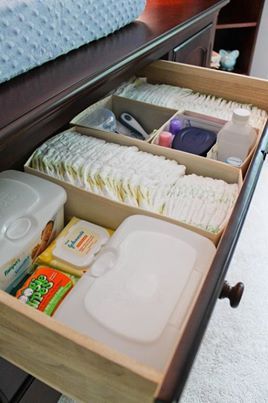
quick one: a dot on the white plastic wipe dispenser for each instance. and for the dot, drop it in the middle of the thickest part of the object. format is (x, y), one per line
(140, 288)
(31, 215)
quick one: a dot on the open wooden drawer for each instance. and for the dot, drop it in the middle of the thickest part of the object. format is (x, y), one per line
(89, 371)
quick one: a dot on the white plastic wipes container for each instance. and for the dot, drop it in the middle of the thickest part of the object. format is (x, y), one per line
(31, 215)
(79, 246)
(140, 289)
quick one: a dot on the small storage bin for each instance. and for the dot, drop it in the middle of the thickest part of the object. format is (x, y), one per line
(210, 123)
(150, 117)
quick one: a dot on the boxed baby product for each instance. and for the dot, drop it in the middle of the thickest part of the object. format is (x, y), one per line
(140, 289)
(45, 289)
(74, 250)
(31, 215)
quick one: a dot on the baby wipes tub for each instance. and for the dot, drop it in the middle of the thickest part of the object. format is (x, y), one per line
(75, 248)
(31, 215)
(140, 288)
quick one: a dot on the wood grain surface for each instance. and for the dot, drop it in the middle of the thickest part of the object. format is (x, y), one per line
(68, 361)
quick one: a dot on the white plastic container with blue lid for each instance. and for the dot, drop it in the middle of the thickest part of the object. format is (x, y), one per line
(140, 288)
(31, 215)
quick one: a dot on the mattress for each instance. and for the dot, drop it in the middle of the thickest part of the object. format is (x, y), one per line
(33, 32)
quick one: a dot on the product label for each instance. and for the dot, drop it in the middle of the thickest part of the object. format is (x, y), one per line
(80, 241)
(44, 289)
(18, 265)
(13, 270)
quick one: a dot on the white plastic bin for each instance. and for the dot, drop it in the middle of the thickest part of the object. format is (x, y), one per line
(31, 215)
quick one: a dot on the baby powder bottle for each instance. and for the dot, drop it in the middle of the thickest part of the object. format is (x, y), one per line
(236, 137)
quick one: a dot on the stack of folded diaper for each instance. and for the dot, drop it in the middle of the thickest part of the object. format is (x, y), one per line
(137, 178)
(201, 202)
(119, 172)
(186, 99)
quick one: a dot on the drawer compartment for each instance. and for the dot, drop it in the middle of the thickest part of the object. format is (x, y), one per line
(89, 371)
(230, 86)
(102, 210)
(208, 123)
(76, 364)
(151, 117)
(206, 83)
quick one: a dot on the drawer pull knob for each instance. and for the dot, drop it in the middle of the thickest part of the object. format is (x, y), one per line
(234, 294)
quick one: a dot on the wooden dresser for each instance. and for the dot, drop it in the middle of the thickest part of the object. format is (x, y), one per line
(39, 103)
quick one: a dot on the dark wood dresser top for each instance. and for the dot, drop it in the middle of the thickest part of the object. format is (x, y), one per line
(35, 92)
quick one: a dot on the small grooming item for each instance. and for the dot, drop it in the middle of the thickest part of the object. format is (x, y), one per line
(165, 139)
(131, 123)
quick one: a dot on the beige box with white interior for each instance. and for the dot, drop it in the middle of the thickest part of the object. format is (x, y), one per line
(151, 117)
(209, 123)
(229, 86)
(75, 364)
(110, 213)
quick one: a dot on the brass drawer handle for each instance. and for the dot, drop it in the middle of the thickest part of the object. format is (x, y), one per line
(234, 294)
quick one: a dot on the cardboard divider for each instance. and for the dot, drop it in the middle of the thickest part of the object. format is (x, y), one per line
(109, 213)
(151, 117)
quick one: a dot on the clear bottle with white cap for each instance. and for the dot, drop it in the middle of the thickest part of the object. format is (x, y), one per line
(236, 137)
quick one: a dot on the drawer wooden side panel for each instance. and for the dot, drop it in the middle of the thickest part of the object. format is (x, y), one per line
(227, 85)
(68, 361)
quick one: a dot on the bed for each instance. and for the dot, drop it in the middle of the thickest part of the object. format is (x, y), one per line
(33, 32)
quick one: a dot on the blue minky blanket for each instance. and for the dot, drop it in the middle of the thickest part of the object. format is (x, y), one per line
(33, 32)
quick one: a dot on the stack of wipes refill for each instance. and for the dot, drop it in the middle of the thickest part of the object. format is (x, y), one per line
(186, 99)
(137, 178)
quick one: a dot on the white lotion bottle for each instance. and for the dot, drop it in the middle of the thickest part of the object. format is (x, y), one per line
(236, 137)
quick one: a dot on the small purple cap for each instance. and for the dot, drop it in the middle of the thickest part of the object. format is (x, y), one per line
(175, 126)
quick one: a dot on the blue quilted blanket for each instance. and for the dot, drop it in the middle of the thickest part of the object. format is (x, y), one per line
(35, 31)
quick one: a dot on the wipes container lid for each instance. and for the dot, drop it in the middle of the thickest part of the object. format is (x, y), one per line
(27, 203)
(143, 272)
(79, 246)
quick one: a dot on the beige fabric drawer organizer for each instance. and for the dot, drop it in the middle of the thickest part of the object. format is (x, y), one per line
(75, 364)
